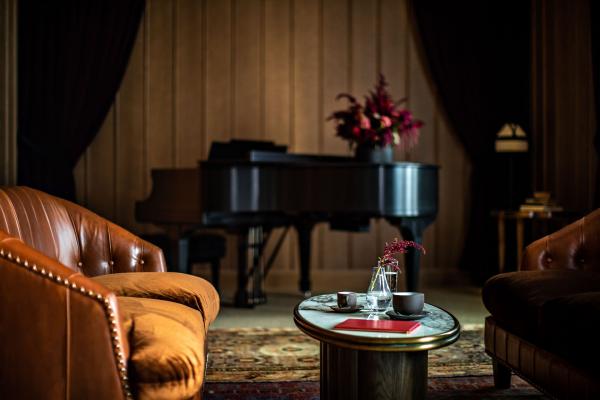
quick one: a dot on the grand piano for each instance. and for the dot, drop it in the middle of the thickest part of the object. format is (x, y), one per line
(250, 188)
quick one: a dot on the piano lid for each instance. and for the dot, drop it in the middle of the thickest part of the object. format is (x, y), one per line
(242, 149)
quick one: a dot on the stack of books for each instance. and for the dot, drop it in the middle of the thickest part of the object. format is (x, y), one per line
(540, 202)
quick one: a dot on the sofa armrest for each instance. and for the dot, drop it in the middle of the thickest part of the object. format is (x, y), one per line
(60, 331)
(572, 247)
(189, 290)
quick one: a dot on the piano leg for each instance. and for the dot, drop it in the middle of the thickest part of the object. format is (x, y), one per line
(250, 247)
(241, 295)
(304, 229)
(412, 229)
(256, 250)
(179, 249)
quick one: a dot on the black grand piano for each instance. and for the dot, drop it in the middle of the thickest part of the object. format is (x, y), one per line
(250, 188)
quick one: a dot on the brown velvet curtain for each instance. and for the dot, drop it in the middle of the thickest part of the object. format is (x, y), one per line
(595, 41)
(478, 54)
(72, 55)
(563, 109)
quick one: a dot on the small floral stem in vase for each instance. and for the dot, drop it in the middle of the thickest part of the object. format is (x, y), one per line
(398, 247)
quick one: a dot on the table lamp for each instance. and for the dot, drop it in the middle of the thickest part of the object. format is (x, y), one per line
(511, 145)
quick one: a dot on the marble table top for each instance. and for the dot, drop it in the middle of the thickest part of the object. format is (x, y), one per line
(317, 312)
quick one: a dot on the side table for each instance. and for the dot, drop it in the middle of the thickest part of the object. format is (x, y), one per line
(373, 365)
(520, 217)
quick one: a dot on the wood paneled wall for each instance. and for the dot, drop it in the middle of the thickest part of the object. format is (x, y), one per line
(8, 92)
(268, 69)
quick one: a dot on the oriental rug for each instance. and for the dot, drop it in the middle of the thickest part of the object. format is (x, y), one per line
(283, 363)
(286, 354)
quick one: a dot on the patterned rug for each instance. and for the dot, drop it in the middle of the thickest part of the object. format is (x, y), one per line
(286, 354)
(459, 388)
(283, 363)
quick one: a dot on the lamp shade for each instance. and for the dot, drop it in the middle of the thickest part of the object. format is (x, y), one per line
(511, 139)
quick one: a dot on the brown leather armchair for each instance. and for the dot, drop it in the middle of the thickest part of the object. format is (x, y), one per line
(87, 311)
(544, 318)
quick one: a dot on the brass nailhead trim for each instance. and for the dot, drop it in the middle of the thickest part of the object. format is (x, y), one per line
(119, 355)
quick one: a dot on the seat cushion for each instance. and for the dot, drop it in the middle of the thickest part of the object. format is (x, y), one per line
(515, 299)
(185, 289)
(568, 327)
(167, 353)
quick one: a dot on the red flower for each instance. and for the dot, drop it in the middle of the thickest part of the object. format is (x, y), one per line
(379, 123)
(400, 247)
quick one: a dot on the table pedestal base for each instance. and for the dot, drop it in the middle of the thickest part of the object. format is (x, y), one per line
(348, 374)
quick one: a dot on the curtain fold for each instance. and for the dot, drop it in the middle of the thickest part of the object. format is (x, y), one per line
(478, 55)
(71, 59)
(595, 42)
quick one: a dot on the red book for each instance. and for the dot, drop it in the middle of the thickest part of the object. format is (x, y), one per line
(379, 325)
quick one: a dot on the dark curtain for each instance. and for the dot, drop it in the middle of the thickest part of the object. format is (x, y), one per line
(478, 54)
(595, 40)
(72, 57)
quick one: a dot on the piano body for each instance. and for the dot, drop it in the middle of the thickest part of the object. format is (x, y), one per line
(249, 188)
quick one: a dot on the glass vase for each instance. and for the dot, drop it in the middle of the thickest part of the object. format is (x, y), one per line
(379, 294)
(391, 272)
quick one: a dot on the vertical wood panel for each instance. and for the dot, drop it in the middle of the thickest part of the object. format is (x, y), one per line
(219, 87)
(130, 148)
(277, 71)
(422, 104)
(336, 70)
(394, 37)
(277, 93)
(161, 137)
(189, 81)
(218, 71)
(247, 69)
(364, 73)
(306, 93)
(306, 77)
(336, 76)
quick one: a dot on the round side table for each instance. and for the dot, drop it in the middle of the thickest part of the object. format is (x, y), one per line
(373, 365)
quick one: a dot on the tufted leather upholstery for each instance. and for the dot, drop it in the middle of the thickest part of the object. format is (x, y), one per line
(576, 246)
(76, 237)
(64, 332)
(543, 318)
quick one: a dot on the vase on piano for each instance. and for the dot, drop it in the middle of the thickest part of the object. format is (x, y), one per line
(374, 154)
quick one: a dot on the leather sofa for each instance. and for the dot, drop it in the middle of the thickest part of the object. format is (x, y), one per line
(545, 317)
(87, 310)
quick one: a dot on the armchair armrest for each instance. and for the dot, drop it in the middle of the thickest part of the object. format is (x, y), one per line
(185, 289)
(576, 246)
(60, 331)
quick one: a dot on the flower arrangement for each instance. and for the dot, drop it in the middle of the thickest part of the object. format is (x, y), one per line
(398, 247)
(379, 123)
